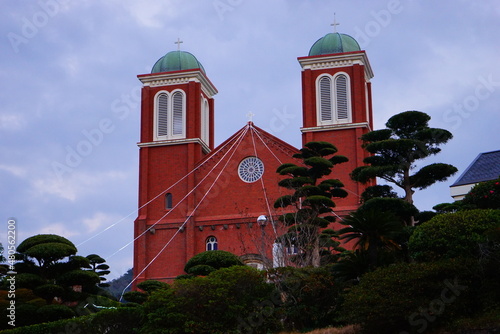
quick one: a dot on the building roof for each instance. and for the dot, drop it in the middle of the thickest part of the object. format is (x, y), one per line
(485, 167)
(334, 43)
(177, 61)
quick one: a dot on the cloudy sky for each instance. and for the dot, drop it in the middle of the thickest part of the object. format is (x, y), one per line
(69, 104)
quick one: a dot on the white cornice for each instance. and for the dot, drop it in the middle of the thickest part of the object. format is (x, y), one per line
(180, 77)
(336, 127)
(204, 146)
(337, 60)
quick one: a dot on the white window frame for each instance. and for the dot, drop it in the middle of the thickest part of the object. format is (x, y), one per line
(170, 116)
(333, 100)
(212, 243)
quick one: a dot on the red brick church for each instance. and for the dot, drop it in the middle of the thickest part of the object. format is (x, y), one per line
(195, 196)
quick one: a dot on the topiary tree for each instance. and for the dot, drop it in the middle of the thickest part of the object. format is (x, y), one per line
(396, 149)
(99, 267)
(311, 199)
(205, 262)
(453, 235)
(46, 249)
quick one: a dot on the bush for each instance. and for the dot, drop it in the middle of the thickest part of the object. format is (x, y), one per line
(216, 259)
(484, 195)
(54, 312)
(453, 234)
(414, 296)
(310, 296)
(228, 300)
(114, 321)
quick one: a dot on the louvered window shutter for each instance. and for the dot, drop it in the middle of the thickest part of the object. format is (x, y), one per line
(163, 115)
(205, 121)
(325, 99)
(177, 110)
(341, 97)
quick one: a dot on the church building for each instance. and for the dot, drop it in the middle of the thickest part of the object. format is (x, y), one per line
(195, 196)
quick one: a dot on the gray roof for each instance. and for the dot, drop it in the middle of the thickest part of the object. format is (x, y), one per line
(485, 167)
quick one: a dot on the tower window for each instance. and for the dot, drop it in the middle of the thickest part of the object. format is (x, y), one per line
(211, 243)
(333, 99)
(205, 121)
(341, 97)
(325, 99)
(168, 201)
(170, 115)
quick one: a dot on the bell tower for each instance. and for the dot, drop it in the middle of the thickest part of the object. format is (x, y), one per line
(177, 131)
(337, 105)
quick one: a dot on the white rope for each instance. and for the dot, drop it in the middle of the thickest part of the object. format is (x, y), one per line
(151, 200)
(262, 184)
(194, 210)
(243, 131)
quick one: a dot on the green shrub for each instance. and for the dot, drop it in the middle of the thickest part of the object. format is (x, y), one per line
(229, 300)
(216, 259)
(113, 321)
(309, 296)
(413, 297)
(453, 234)
(54, 312)
(484, 195)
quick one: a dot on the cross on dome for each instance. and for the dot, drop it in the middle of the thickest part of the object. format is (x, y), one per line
(178, 43)
(335, 23)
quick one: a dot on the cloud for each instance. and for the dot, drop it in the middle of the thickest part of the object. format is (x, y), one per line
(99, 221)
(12, 122)
(76, 185)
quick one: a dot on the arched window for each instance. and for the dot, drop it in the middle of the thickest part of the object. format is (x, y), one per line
(205, 121)
(211, 243)
(163, 114)
(333, 99)
(170, 115)
(341, 96)
(325, 99)
(168, 201)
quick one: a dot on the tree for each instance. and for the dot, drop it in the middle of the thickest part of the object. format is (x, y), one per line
(396, 149)
(372, 230)
(311, 200)
(50, 269)
(99, 267)
(46, 249)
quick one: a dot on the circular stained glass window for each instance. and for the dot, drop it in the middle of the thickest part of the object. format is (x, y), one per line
(251, 169)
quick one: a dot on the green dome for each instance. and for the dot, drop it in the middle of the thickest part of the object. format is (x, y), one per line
(334, 43)
(177, 61)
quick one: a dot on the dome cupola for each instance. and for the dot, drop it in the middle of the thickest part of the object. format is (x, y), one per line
(334, 43)
(177, 61)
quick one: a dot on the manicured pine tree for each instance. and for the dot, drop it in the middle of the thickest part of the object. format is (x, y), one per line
(311, 199)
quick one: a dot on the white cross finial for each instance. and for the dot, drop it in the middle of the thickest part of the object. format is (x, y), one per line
(250, 116)
(334, 24)
(178, 43)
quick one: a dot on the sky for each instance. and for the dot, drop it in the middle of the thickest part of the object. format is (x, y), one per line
(69, 97)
